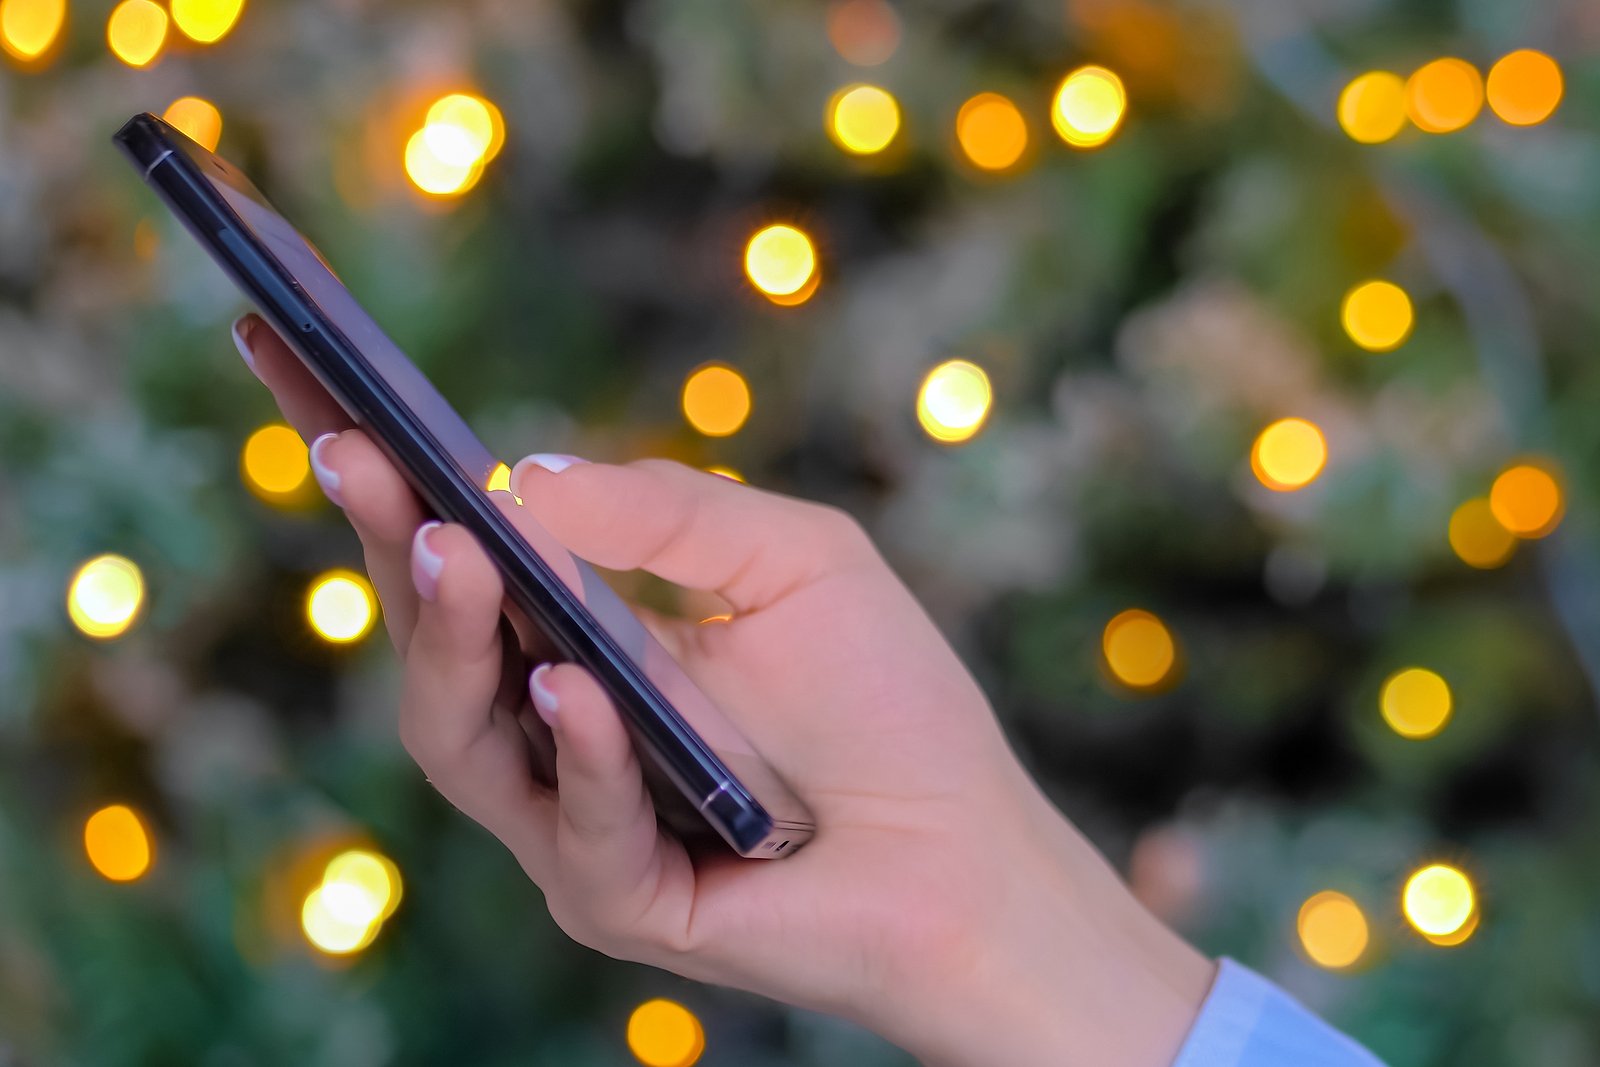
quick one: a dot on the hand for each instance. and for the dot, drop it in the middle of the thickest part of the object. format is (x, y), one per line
(943, 902)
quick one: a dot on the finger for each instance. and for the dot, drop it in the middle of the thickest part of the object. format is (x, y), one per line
(689, 527)
(474, 753)
(301, 398)
(385, 513)
(610, 854)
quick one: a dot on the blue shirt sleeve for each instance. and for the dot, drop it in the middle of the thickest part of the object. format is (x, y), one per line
(1246, 1021)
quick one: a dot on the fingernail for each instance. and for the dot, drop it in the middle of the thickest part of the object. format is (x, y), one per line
(242, 328)
(544, 701)
(554, 462)
(326, 476)
(425, 562)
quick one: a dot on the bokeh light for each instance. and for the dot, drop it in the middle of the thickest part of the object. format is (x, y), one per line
(274, 462)
(724, 471)
(863, 119)
(1088, 107)
(1525, 87)
(1372, 108)
(1289, 454)
(1333, 930)
(1377, 315)
(136, 31)
(662, 1033)
(206, 20)
(435, 176)
(716, 399)
(340, 606)
(1139, 649)
(117, 843)
(1444, 95)
(780, 260)
(29, 27)
(991, 131)
(1416, 703)
(105, 595)
(1477, 537)
(1527, 500)
(463, 129)
(954, 401)
(197, 118)
(863, 32)
(373, 880)
(331, 918)
(1439, 900)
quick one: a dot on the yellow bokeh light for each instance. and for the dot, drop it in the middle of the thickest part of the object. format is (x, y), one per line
(991, 131)
(1460, 936)
(662, 1033)
(1332, 929)
(29, 27)
(1372, 108)
(331, 917)
(863, 119)
(1438, 900)
(197, 118)
(1527, 500)
(500, 480)
(1139, 649)
(105, 595)
(463, 129)
(340, 606)
(373, 884)
(1089, 105)
(136, 31)
(117, 843)
(206, 20)
(716, 399)
(1416, 703)
(435, 176)
(1377, 315)
(780, 260)
(274, 462)
(1525, 87)
(725, 472)
(1444, 95)
(954, 401)
(1477, 537)
(1289, 454)
(863, 32)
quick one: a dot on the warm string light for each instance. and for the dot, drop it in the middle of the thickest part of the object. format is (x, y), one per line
(1440, 904)
(460, 136)
(863, 119)
(197, 118)
(663, 1033)
(206, 21)
(1416, 703)
(341, 606)
(275, 463)
(723, 471)
(1478, 538)
(1527, 500)
(28, 28)
(1289, 454)
(1333, 930)
(954, 401)
(1525, 87)
(117, 843)
(781, 262)
(716, 399)
(359, 890)
(1372, 108)
(1139, 650)
(136, 31)
(105, 595)
(863, 32)
(1089, 106)
(1444, 95)
(1377, 315)
(991, 132)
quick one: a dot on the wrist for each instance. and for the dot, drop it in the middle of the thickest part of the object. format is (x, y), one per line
(1064, 967)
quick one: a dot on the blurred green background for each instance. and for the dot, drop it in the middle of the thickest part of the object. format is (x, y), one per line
(1142, 307)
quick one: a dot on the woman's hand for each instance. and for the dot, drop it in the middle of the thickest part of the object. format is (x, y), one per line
(943, 902)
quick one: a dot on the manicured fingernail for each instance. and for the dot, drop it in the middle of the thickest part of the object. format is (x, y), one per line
(554, 462)
(326, 476)
(425, 562)
(242, 328)
(544, 701)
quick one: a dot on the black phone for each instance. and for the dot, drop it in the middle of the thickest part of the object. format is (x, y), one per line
(702, 771)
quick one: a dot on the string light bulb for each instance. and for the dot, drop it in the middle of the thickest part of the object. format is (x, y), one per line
(105, 595)
(663, 1033)
(197, 118)
(1289, 454)
(954, 401)
(1476, 536)
(1333, 930)
(1139, 650)
(1444, 96)
(136, 31)
(863, 119)
(341, 606)
(1527, 499)
(1089, 106)
(275, 463)
(1439, 902)
(1525, 87)
(991, 132)
(28, 28)
(206, 21)
(1372, 108)
(118, 844)
(781, 261)
(1377, 315)
(716, 399)
(1416, 703)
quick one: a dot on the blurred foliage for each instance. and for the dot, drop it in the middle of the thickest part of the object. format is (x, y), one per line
(1142, 310)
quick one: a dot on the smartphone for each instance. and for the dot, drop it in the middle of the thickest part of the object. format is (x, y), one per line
(704, 775)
